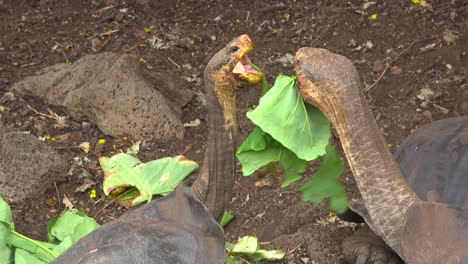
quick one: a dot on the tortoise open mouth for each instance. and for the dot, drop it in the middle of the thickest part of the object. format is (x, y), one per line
(246, 72)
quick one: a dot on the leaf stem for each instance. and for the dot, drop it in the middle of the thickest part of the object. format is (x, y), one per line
(51, 252)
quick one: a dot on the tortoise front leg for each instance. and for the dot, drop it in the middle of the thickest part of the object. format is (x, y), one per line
(365, 247)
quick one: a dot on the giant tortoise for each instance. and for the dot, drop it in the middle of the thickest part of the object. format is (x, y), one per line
(182, 227)
(423, 218)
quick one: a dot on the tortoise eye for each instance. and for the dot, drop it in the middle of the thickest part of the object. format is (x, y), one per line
(234, 49)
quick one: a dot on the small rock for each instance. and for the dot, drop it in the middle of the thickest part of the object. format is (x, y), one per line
(23, 156)
(39, 125)
(64, 137)
(86, 125)
(8, 96)
(369, 44)
(286, 60)
(425, 95)
(451, 37)
(427, 114)
(395, 70)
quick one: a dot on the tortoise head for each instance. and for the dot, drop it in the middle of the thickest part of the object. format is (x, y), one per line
(230, 67)
(326, 77)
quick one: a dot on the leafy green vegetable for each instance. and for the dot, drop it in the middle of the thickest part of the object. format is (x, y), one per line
(249, 247)
(64, 231)
(260, 149)
(228, 216)
(157, 177)
(291, 132)
(325, 183)
(69, 228)
(299, 127)
(24, 257)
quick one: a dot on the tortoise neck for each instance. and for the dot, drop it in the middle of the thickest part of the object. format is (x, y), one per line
(386, 194)
(216, 180)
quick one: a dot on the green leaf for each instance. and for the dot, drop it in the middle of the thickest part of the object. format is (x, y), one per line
(10, 238)
(6, 224)
(228, 216)
(267, 254)
(246, 245)
(38, 249)
(157, 177)
(24, 257)
(5, 251)
(260, 149)
(229, 260)
(325, 183)
(5, 215)
(299, 127)
(256, 141)
(249, 247)
(69, 228)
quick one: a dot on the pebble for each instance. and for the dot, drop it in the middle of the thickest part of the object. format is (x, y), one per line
(427, 114)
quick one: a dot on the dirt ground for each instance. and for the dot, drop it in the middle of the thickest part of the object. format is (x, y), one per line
(412, 59)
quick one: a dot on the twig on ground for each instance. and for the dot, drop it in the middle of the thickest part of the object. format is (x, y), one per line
(294, 249)
(272, 8)
(367, 89)
(42, 114)
(173, 62)
(242, 187)
(106, 205)
(59, 198)
(131, 48)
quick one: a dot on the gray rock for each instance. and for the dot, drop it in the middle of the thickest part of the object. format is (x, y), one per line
(27, 165)
(115, 92)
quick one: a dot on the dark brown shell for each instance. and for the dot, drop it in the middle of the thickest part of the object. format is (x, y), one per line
(177, 228)
(434, 160)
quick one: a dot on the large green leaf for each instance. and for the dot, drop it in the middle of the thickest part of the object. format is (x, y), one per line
(63, 232)
(9, 239)
(157, 177)
(6, 224)
(260, 149)
(69, 228)
(24, 257)
(299, 127)
(325, 183)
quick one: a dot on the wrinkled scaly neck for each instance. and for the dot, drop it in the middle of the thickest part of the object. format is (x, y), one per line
(215, 182)
(386, 194)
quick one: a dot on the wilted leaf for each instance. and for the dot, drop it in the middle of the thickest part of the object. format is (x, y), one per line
(249, 247)
(325, 183)
(134, 149)
(68, 204)
(157, 177)
(246, 245)
(85, 147)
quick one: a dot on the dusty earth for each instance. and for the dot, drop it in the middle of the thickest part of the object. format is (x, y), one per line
(412, 59)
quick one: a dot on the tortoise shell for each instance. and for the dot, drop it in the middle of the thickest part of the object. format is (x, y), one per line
(176, 228)
(434, 161)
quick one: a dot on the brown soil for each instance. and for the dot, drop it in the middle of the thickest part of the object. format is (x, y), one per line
(35, 34)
